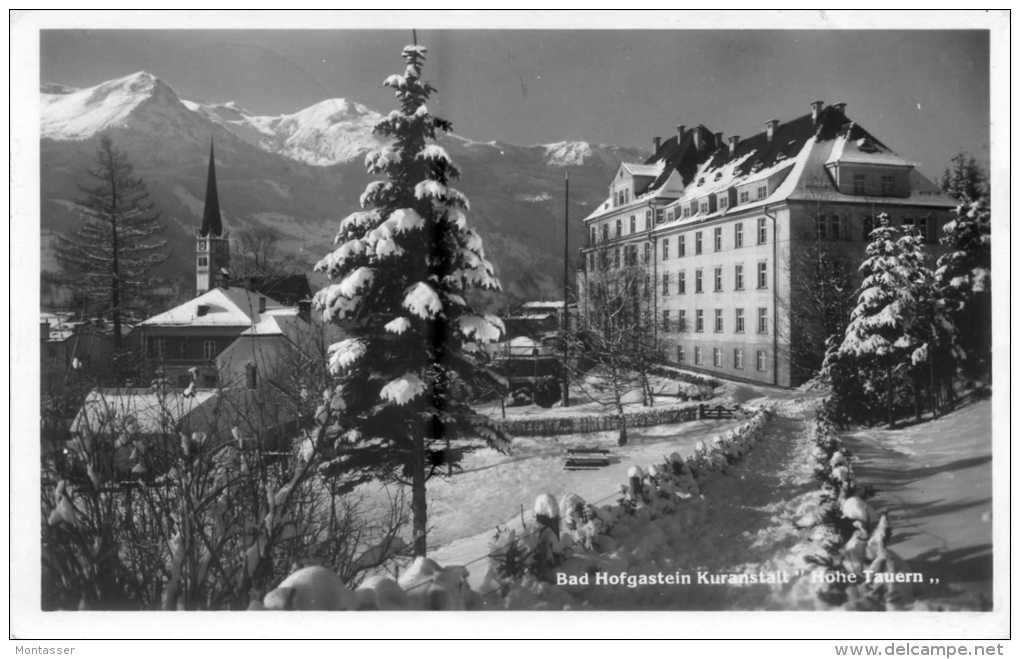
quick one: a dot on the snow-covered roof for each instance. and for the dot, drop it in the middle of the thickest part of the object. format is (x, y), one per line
(226, 307)
(142, 410)
(278, 322)
(543, 304)
(636, 169)
(856, 147)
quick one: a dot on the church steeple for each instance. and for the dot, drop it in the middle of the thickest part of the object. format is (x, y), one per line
(211, 222)
(212, 245)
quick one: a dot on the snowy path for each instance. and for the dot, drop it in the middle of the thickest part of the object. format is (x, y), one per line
(744, 524)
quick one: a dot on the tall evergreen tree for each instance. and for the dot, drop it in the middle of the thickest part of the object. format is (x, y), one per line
(963, 281)
(400, 275)
(877, 339)
(111, 253)
(963, 179)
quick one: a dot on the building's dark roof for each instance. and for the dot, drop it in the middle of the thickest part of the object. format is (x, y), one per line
(788, 139)
(212, 224)
(681, 155)
(288, 289)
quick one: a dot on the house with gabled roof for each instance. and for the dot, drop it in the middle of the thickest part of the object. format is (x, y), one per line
(191, 335)
(722, 227)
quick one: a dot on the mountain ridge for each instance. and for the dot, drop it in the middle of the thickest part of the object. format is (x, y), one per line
(299, 173)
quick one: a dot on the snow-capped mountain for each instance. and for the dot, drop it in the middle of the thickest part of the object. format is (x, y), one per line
(299, 172)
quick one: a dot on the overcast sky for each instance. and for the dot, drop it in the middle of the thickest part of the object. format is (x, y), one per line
(924, 93)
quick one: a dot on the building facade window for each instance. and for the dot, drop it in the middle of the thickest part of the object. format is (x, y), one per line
(723, 202)
(738, 358)
(203, 261)
(738, 320)
(616, 257)
(633, 223)
(209, 349)
(820, 227)
(834, 233)
(763, 231)
(763, 274)
(681, 356)
(648, 252)
(665, 320)
(658, 216)
(697, 242)
(860, 184)
(681, 246)
(744, 196)
(718, 280)
(681, 282)
(592, 236)
(665, 249)
(763, 191)
(867, 226)
(619, 227)
(681, 320)
(738, 235)
(888, 185)
(699, 320)
(697, 280)
(717, 239)
(718, 320)
(716, 357)
(648, 219)
(763, 320)
(738, 277)
(762, 361)
(665, 283)
(697, 355)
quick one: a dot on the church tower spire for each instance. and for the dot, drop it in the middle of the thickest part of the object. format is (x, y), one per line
(212, 248)
(212, 225)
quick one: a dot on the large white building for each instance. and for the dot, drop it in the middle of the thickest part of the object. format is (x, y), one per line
(718, 225)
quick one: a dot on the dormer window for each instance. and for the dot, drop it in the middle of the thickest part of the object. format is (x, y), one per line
(866, 145)
(701, 181)
(744, 196)
(763, 191)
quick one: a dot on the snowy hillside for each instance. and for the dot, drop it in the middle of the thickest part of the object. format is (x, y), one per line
(330, 132)
(77, 114)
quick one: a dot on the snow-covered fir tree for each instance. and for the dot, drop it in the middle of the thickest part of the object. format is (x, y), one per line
(963, 282)
(963, 179)
(400, 275)
(879, 340)
(110, 254)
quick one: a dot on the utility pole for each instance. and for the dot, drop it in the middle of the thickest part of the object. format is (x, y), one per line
(566, 281)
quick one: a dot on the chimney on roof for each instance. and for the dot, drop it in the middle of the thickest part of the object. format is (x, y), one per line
(733, 144)
(656, 143)
(304, 310)
(697, 139)
(718, 140)
(816, 111)
(770, 128)
(251, 375)
(840, 107)
(680, 130)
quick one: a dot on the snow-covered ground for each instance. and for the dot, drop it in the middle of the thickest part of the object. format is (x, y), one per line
(935, 479)
(465, 508)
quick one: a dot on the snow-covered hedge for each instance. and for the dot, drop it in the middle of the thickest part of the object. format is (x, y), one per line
(849, 536)
(569, 535)
(570, 425)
